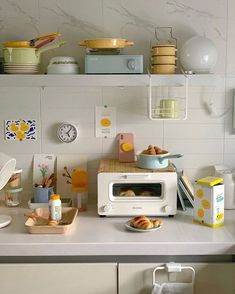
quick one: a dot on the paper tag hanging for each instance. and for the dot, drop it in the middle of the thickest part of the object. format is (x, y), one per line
(105, 122)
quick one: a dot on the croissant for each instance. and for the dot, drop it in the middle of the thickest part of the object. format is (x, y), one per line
(141, 222)
(156, 222)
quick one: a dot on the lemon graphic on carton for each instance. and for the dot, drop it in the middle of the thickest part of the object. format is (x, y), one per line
(200, 193)
(200, 212)
(219, 216)
(206, 204)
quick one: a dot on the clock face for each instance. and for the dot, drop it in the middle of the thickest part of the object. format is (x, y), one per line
(67, 133)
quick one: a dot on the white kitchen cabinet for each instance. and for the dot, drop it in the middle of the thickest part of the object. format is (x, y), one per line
(82, 278)
(211, 278)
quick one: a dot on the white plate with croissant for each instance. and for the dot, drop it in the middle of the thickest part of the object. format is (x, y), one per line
(143, 224)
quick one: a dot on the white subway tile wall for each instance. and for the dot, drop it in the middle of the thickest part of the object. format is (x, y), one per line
(204, 139)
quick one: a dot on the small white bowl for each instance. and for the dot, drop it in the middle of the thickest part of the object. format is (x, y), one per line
(63, 69)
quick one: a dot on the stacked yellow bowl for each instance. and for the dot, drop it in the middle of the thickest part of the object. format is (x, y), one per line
(163, 59)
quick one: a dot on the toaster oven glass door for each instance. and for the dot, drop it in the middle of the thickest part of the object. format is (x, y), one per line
(140, 191)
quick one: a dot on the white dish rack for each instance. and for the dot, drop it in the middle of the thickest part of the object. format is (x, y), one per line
(168, 101)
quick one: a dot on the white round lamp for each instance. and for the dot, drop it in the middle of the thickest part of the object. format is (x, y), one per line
(198, 55)
(7, 167)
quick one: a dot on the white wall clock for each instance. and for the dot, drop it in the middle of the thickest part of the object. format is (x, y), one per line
(67, 132)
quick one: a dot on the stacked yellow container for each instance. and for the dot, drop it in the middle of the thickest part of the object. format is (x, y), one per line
(163, 59)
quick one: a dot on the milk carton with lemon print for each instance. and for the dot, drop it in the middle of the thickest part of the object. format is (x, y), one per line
(209, 202)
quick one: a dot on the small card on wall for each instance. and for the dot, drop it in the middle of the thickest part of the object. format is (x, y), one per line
(20, 129)
(105, 122)
(43, 167)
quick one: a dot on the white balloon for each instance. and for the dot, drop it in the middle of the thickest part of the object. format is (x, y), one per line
(198, 55)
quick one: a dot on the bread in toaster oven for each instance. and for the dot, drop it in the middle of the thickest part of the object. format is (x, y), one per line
(127, 193)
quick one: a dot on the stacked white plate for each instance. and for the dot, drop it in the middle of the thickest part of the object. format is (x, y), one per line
(21, 68)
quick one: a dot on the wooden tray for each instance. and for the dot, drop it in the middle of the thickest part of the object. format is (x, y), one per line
(40, 225)
(114, 166)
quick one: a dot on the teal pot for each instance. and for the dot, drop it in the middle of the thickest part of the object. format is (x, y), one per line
(26, 55)
(154, 161)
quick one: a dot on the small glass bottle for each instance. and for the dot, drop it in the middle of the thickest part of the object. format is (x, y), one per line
(55, 209)
(12, 196)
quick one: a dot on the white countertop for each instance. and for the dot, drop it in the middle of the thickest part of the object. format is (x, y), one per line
(92, 235)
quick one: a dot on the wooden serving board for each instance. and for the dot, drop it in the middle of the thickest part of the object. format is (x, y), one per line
(40, 225)
(114, 166)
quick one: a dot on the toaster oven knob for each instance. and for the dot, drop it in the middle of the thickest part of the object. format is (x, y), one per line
(131, 64)
(167, 209)
(107, 207)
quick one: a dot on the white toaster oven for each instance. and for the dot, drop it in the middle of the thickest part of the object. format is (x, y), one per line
(125, 190)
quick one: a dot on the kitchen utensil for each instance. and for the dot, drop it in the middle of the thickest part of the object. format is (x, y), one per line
(7, 167)
(63, 60)
(106, 43)
(49, 40)
(116, 64)
(5, 220)
(164, 50)
(154, 161)
(125, 189)
(169, 108)
(229, 185)
(31, 43)
(15, 180)
(17, 44)
(12, 196)
(63, 69)
(42, 195)
(198, 55)
(159, 59)
(163, 69)
(44, 37)
(39, 225)
(21, 68)
(26, 55)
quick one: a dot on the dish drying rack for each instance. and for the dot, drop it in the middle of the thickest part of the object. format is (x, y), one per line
(157, 109)
(172, 269)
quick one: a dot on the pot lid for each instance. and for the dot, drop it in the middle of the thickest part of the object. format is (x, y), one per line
(7, 167)
(17, 44)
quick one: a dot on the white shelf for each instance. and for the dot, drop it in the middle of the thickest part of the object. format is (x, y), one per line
(104, 80)
(73, 80)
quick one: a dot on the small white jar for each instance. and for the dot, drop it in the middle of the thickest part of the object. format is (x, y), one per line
(55, 208)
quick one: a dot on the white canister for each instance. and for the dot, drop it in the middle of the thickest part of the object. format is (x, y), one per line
(227, 175)
(55, 208)
(229, 190)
